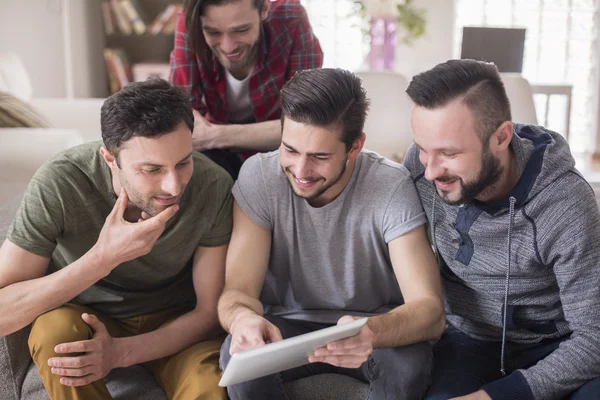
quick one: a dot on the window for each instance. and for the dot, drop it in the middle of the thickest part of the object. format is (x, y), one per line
(338, 26)
(560, 47)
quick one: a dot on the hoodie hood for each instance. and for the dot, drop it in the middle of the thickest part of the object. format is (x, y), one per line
(542, 156)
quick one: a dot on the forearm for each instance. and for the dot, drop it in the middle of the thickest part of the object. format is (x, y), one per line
(190, 328)
(262, 136)
(235, 303)
(23, 302)
(412, 322)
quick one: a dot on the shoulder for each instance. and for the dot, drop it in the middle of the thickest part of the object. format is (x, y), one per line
(73, 167)
(286, 11)
(263, 166)
(208, 175)
(413, 164)
(378, 170)
(568, 195)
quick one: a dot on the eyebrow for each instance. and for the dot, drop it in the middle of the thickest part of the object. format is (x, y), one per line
(234, 28)
(455, 149)
(314, 154)
(147, 164)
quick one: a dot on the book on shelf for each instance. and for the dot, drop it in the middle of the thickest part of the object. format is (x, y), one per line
(133, 12)
(166, 21)
(121, 17)
(127, 15)
(118, 68)
(107, 17)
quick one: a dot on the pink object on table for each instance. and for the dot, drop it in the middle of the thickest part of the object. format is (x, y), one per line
(383, 44)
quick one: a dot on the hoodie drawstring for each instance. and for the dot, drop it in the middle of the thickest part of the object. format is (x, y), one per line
(506, 287)
(432, 230)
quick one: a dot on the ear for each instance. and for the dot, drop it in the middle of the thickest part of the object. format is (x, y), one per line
(500, 140)
(110, 160)
(265, 10)
(357, 147)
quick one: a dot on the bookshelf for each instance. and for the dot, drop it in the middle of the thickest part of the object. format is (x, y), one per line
(139, 37)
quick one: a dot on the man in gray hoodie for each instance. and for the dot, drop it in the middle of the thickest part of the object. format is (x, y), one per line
(516, 229)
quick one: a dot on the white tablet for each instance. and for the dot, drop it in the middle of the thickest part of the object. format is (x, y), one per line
(285, 354)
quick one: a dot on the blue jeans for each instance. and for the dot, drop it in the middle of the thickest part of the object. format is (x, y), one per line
(462, 365)
(393, 373)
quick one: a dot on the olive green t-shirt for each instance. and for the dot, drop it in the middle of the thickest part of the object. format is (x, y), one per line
(65, 207)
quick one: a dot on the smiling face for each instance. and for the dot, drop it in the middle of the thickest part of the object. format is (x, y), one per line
(316, 162)
(153, 171)
(454, 157)
(232, 31)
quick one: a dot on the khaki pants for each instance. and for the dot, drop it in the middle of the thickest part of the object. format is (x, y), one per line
(190, 374)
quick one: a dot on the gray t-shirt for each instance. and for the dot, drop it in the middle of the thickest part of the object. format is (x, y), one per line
(334, 260)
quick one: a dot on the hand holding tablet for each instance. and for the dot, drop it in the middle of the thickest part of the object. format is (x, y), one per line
(284, 354)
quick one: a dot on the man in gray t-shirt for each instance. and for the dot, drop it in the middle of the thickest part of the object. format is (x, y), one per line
(325, 233)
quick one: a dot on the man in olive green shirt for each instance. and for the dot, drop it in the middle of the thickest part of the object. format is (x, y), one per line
(117, 254)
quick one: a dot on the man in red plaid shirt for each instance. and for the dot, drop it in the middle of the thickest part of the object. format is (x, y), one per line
(233, 58)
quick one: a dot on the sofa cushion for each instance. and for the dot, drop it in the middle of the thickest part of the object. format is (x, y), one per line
(14, 357)
(327, 387)
(8, 209)
(13, 76)
(15, 113)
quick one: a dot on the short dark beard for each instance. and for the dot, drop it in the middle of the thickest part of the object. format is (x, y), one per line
(252, 57)
(141, 202)
(490, 173)
(324, 188)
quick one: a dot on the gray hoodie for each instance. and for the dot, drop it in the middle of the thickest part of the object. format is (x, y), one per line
(539, 247)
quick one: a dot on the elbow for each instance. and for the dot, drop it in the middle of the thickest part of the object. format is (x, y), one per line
(437, 324)
(440, 323)
(8, 327)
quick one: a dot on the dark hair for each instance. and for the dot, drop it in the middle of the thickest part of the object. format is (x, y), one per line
(150, 109)
(477, 82)
(194, 9)
(326, 97)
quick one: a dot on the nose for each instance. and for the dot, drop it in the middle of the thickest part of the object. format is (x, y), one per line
(170, 184)
(228, 45)
(433, 168)
(302, 167)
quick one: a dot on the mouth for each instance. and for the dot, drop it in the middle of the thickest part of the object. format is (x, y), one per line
(445, 185)
(166, 201)
(305, 183)
(235, 56)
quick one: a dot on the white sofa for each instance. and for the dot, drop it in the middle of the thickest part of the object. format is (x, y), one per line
(23, 150)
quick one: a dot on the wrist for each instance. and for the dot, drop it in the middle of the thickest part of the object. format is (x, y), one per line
(239, 315)
(122, 353)
(101, 261)
(225, 136)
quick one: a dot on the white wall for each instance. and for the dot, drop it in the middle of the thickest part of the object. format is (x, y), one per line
(437, 44)
(87, 42)
(34, 30)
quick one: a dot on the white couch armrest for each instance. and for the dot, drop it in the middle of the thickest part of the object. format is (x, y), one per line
(24, 150)
(80, 114)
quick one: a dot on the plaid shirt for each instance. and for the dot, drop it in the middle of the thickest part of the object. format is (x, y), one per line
(287, 45)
